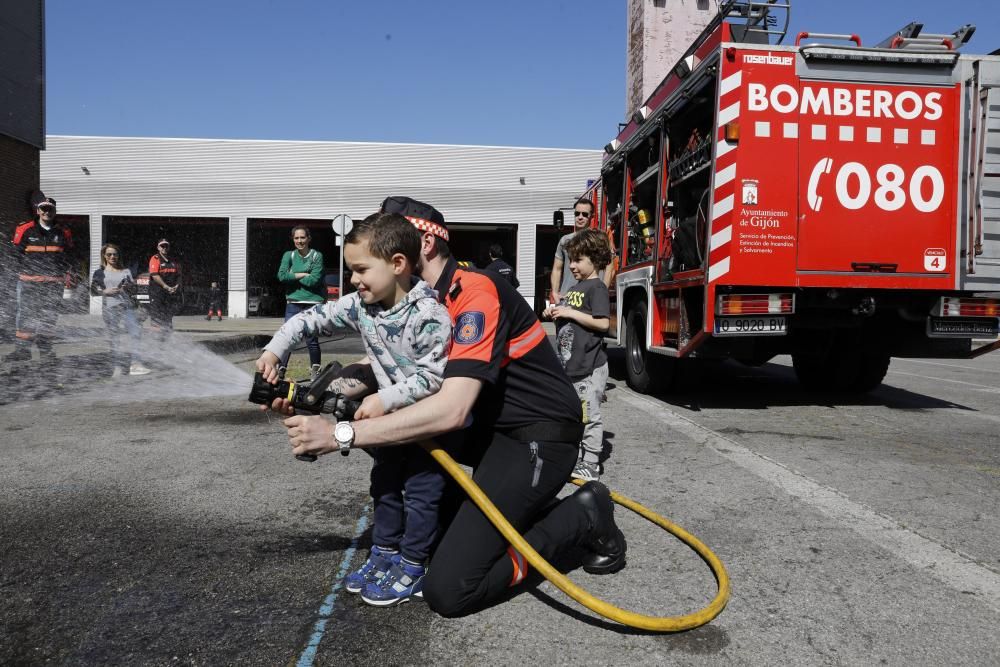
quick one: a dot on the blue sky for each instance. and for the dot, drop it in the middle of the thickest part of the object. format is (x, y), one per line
(510, 73)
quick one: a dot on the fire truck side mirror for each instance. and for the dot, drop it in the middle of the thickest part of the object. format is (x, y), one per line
(557, 219)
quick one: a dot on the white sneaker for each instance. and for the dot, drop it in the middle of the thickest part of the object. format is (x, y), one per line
(138, 369)
(586, 471)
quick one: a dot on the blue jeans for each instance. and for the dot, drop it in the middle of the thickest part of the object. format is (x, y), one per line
(291, 310)
(121, 323)
(407, 485)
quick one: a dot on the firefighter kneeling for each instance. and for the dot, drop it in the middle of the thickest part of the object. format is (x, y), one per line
(502, 375)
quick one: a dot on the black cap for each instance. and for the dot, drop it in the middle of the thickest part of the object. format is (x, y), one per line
(39, 199)
(425, 217)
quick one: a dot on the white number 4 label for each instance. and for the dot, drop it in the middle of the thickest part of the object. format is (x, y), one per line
(935, 259)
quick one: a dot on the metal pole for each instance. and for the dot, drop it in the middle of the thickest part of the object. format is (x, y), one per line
(340, 275)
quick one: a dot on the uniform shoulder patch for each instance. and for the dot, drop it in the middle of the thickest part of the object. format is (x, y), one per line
(469, 327)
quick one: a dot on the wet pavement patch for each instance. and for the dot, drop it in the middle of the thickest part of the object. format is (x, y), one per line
(98, 576)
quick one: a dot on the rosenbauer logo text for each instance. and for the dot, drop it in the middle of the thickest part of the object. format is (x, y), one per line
(858, 102)
(759, 59)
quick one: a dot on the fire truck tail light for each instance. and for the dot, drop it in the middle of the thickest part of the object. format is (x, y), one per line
(754, 304)
(732, 132)
(953, 306)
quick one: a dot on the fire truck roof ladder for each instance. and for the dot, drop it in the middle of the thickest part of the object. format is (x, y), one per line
(754, 21)
(912, 36)
(762, 20)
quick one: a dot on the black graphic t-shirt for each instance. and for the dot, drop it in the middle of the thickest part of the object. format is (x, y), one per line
(581, 350)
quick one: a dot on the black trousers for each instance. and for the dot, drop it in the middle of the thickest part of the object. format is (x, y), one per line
(162, 307)
(471, 566)
(38, 306)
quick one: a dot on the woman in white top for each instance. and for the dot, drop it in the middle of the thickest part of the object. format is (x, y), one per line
(116, 284)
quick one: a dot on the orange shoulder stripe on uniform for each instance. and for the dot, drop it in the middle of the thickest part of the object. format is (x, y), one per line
(476, 315)
(21, 229)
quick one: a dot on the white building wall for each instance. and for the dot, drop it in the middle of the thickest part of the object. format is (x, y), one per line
(127, 176)
(237, 279)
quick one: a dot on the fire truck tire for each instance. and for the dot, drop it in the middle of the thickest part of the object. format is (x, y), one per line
(645, 371)
(873, 368)
(812, 371)
(848, 371)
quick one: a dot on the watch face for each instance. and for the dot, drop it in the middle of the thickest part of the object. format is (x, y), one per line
(344, 432)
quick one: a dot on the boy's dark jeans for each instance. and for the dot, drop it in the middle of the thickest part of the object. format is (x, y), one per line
(407, 485)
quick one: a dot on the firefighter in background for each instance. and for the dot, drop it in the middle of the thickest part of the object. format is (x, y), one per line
(499, 266)
(44, 250)
(164, 288)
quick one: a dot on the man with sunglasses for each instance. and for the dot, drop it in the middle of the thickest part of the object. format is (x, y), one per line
(562, 279)
(164, 288)
(44, 250)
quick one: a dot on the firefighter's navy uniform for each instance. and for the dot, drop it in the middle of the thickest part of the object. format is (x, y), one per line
(45, 266)
(162, 304)
(523, 442)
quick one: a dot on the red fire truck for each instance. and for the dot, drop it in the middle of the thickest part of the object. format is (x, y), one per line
(832, 201)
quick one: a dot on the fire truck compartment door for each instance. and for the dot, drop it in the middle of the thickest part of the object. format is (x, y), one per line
(985, 233)
(877, 182)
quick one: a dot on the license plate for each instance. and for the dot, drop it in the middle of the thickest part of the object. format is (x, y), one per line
(987, 327)
(750, 326)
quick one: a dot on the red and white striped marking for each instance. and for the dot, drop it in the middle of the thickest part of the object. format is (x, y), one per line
(845, 133)
(724, 193)
(520, 566)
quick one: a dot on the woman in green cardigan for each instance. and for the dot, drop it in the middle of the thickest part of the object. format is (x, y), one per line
(301, 273)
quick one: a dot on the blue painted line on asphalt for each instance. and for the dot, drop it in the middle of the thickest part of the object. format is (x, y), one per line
(309, 654)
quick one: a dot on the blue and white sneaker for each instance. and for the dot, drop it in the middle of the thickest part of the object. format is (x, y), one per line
(403, 581)
(378, 563)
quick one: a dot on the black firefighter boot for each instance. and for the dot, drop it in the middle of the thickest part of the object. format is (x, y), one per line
(605, 541)
(22, 352)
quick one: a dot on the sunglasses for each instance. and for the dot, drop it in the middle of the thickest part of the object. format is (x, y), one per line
(581, 214)
(110, 254)
(47, 209)
(163, 245)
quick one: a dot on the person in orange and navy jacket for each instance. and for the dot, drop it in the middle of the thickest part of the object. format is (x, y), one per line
(505, 386)
(45, 259)
(164, 288)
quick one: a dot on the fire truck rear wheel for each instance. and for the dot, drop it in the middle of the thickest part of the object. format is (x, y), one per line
(812, 371)
(645, 371)
(874, 366)
(842, 371)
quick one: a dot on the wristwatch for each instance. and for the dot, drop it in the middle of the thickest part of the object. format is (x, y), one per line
(343, 433)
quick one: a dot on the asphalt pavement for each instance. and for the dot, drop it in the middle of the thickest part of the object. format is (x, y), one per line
(161, 520)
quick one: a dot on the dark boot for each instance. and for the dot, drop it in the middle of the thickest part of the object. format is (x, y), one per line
(20, 353)
(605, 541)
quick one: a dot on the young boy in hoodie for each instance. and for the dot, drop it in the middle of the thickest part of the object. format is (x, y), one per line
(406, 333)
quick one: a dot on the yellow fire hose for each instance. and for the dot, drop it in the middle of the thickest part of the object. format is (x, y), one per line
(607, 610)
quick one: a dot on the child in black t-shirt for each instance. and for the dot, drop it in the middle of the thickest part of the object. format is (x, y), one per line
(582, 318)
